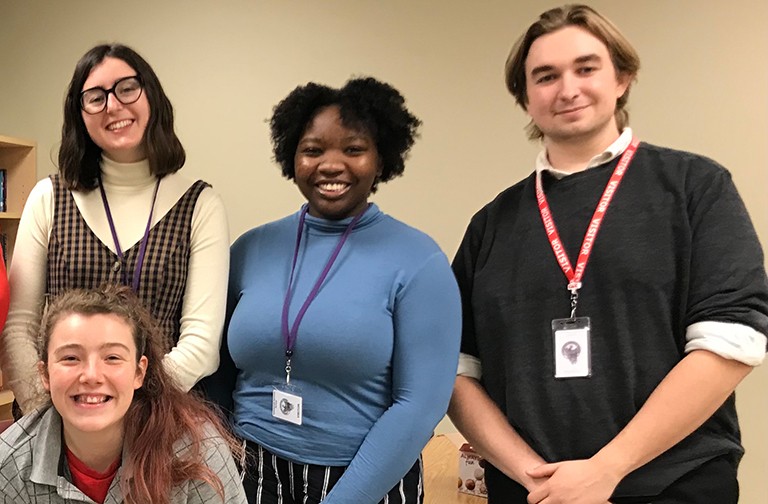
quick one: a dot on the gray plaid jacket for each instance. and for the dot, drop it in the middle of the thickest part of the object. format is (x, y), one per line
(33, 468)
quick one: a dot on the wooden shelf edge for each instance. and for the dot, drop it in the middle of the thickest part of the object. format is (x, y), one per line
(6, 397)
(6, 141)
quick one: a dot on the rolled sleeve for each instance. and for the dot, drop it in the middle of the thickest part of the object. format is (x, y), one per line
(728, 340)
(470, 366)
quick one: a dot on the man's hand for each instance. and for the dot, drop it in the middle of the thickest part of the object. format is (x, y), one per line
(573, 482)
(531, 483)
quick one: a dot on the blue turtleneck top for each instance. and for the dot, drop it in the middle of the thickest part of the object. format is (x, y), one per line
(376, 353)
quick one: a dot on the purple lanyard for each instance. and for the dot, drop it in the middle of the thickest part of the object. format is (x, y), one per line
(144, 240)
(289, 336)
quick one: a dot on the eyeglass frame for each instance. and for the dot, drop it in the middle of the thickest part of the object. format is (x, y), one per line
(112, 90)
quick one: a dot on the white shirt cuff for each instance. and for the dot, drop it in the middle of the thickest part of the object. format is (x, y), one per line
(469, 365)
(728, 340)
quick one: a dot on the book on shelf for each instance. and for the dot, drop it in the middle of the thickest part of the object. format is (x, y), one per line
(3, 184)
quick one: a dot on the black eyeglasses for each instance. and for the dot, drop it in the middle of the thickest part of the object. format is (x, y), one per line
(126, 90)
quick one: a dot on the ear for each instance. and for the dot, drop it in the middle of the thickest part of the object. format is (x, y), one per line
(141, 372)
(42, 370)
(623, 81)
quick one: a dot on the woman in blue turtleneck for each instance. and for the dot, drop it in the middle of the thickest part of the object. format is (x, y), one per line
(344, 323)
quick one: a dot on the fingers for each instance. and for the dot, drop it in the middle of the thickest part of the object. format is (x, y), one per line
(538, 495)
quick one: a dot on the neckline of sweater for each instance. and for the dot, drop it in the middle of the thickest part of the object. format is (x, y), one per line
(126, 175)
(320, 225)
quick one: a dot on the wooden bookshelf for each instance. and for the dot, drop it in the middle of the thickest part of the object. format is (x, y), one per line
(17, 158)
(6, 406)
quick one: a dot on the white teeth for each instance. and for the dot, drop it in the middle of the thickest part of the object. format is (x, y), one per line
(333, 186)
(118, 125)
(88, 399)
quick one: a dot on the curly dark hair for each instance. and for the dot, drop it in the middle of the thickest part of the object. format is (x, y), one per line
(79, 156)
(365, 104)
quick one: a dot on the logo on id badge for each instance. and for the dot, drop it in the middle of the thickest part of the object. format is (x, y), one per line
(286, 406)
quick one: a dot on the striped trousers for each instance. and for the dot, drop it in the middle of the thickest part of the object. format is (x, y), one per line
(270, 479)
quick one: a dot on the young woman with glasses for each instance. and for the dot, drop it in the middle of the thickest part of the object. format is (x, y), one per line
(116, 429)
(118, 211)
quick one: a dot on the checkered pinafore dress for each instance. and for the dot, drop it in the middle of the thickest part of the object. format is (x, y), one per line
(78, 259)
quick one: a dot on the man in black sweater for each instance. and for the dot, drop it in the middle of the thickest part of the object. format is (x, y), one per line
(612, 300)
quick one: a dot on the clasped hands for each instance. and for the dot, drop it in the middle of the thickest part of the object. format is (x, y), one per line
(571, 482)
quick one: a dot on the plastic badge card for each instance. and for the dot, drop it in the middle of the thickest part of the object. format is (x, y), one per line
(286, 406)
(571, 347)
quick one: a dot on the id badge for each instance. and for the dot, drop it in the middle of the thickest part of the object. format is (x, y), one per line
(571, 338)
(286, 403)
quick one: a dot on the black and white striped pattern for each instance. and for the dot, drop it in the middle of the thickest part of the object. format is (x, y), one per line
(273, 480)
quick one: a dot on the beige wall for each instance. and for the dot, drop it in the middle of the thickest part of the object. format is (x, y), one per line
(225, 64)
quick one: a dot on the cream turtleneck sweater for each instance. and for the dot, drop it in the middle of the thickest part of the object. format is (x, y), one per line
(129, 189)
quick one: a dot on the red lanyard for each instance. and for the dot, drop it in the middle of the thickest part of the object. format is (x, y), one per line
(574, 276)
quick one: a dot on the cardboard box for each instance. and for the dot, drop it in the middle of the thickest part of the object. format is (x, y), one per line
(471, 472)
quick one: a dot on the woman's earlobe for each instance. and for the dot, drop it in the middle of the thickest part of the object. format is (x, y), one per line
(141, 372)
(42, 370)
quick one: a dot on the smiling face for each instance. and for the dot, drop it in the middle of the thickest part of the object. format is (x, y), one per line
(92, 372)
(119, 129)
(572, 87)
(335, 166)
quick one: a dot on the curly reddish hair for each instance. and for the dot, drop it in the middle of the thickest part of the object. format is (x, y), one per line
(161, 413)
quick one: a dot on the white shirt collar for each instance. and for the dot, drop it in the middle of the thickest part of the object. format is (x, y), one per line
(612, 152)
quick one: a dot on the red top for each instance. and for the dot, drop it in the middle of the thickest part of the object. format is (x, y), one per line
(4, 292)
(93, 484)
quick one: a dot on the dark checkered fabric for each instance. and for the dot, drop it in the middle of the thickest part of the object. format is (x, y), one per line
(78, 259)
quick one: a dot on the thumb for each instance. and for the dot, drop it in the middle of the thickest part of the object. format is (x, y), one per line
(543, 471)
